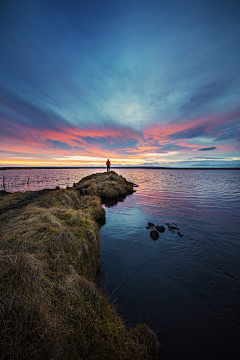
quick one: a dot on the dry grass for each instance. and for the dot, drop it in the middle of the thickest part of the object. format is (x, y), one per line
(51, 306)
(106, 185)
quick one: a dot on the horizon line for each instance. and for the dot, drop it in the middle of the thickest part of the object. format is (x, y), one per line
(116, 167)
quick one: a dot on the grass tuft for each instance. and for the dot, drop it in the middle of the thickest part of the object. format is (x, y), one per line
(106, 185)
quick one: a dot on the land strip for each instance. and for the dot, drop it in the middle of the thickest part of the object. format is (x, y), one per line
(51, 305)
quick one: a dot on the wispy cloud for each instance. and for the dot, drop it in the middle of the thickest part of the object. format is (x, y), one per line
(205, 95)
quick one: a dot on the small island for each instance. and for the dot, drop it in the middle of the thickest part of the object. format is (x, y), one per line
(51, 304)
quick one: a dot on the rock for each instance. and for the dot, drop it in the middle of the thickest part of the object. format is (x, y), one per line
(173, 228)
(154, 234)
(160, 228)
(180, 234)
(134, 185)
(151, 225)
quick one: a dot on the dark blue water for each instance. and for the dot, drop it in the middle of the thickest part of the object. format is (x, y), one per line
(185, 288)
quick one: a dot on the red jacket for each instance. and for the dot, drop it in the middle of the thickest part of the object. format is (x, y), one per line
(108, 163)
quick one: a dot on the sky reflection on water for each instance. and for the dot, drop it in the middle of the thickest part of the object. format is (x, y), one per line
(186, 288)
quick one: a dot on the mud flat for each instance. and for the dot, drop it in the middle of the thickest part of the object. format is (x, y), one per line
(51, 305)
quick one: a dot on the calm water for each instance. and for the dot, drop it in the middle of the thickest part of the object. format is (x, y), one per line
(17, 180)
(186, 288)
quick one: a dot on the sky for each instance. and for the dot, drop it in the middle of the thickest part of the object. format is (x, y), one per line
(142, 82)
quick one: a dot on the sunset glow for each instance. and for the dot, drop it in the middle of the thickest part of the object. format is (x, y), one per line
(143, 83)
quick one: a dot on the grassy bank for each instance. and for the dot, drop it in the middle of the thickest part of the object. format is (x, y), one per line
(51, 306)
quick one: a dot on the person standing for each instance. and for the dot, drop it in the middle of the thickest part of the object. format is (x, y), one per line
(108, 165)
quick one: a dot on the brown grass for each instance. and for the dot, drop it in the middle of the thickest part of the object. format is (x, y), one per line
(51, 306)
(106, 185)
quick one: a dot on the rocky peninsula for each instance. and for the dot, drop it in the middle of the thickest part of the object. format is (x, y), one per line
(51, 304)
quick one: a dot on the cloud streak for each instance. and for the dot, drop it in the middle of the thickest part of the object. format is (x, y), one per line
(207, 149)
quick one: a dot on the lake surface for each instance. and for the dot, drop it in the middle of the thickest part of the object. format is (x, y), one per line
(37, 179)
(185, 288)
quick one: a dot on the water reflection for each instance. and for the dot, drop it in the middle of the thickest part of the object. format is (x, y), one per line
(36, 179)
(186, 288)
(114, 201)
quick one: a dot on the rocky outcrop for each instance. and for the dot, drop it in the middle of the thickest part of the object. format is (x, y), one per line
(106, 185)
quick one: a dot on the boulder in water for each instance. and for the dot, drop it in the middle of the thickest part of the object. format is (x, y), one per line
(160, 228)
(150, 225)
(154, 234)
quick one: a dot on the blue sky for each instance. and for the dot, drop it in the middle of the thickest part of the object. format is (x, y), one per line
(140, 82)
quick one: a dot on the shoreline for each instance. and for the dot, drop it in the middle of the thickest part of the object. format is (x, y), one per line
(115, 167)
(50, 261)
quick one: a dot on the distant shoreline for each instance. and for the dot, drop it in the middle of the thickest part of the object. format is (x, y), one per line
(115, 167)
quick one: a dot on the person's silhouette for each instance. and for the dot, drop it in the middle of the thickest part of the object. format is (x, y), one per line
(108, 165)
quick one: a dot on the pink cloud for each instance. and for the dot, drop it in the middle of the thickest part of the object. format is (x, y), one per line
(23, 139)
(210, 125)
